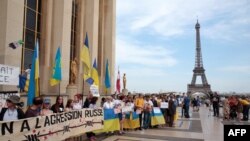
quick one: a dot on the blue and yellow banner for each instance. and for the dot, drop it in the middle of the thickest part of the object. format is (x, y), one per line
(157, 117)
(111, 121)
(131, 121)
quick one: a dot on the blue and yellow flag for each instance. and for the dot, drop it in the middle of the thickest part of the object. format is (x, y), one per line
(94, 74)
(107, 77)
(34, 77)
(111, 121)
(131, 121)
(157, 117)
(57, 71)
(85, 58)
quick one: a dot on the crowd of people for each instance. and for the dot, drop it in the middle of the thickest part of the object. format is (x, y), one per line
(234, 107)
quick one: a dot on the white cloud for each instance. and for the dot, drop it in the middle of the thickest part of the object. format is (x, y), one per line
(172, 18)
(143, 55)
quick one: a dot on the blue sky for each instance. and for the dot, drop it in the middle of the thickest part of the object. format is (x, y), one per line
(155, 43)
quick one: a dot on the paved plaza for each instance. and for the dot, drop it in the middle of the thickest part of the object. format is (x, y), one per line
(202, 126)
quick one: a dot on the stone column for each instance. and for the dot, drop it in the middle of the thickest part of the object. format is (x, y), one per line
(91, 27)
(109, 40)
(11, 29)
(61, 34)
(45, 49)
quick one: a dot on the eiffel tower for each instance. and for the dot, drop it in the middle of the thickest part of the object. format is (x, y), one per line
(198, 69)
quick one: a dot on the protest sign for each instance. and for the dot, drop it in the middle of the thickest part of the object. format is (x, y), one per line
(157, 110)
(126, 109)
(164, 105)
(94, 90)
(52, 127)
(9, 75)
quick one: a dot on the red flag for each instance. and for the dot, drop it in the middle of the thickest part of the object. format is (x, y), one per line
(118, 84)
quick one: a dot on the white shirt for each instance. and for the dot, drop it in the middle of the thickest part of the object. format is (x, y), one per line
(148, 102)
(77, 106)
(27, 71)
(10, 115)
(108, 105)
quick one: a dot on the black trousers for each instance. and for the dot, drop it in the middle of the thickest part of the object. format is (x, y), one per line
(140, 119)
(245, 112)
(216, 109)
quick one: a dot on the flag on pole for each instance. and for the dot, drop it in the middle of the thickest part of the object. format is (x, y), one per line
(107, 77)
(57, 71)
(16, 44)
(118, 83)
(94, 74)
(86, 60)
(34, 76)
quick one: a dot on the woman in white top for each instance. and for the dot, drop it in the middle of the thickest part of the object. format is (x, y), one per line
(77, 105)
(108, 104)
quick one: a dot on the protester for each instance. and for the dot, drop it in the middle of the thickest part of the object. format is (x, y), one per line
(58, 107)
(46, 108)
(108, 104)
(119, 104)
(139, 104)
(12, 112)
(103, 100)
(35, 109)
(92, 105)
(77, 104)
(69, 105)
(87, 100)
(172, 111)
(148, 106)
(246, 105)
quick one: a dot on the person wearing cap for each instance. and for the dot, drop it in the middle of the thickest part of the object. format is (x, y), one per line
(12, 112)
(46, 107)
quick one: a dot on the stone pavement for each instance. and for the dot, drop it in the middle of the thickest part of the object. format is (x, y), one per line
(202, 126)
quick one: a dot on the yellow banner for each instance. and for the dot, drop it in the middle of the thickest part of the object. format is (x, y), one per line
(52, 127)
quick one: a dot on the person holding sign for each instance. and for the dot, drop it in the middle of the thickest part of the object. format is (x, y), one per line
(148, 105)
(12, 112)
(139, 104)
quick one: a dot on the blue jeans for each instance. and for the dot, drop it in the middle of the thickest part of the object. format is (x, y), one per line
(146, 120)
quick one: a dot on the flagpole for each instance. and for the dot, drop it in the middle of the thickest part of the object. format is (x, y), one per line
(39, 87)
(59, 88)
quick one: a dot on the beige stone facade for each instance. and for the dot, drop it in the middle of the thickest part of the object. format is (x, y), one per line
(95, 17)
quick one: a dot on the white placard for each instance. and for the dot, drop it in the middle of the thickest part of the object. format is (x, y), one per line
(9, 75)
(164, 105)
(94, 90)
(4, 95)
(126, 109)
(157, 110)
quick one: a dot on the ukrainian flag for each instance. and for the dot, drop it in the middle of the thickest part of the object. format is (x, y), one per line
(34, 77)
(131, 121)
(57, 71)
(111, 121)
(157, 117)
(107, 76)
(85, 58)
(94, 74)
